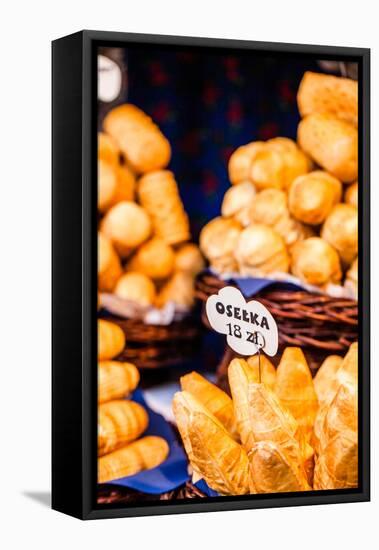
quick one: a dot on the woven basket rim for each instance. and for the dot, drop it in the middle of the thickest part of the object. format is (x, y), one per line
(304, 318)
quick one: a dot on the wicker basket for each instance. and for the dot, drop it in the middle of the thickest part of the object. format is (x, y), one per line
(111, 494)
(319, 324)
(154, 346)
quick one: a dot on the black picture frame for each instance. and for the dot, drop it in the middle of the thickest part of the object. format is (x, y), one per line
(74, 294)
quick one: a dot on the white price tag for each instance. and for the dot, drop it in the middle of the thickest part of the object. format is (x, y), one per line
(249, 326)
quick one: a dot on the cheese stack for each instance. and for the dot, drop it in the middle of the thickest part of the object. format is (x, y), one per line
(143, 253)
(121, 422)
(281, 431)
(292, 206)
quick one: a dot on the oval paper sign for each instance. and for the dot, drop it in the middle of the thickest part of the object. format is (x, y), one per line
(248, 326)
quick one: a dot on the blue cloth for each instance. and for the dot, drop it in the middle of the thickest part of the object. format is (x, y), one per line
(169, 475)
(250, 286)
(202, 486)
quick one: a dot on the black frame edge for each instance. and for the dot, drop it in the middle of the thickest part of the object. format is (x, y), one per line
(84, 506)
(364, 276)
(174, 40)
(67, 127)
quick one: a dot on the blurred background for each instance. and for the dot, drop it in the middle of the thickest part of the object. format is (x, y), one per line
(208, 103)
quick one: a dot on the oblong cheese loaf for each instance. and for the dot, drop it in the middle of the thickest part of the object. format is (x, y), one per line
(312, 196)
(213, 398)
(315, 261)
(337, 465)
(109, 268)
(323, 93)
(271, 164)
(107, 149)
(116, 379)
(154, 258)
(138, 137)
(324, 380)
(241, 159)
(340, 229)
(110, 340)
(271, 471)
(351, 194)
(159, 195)
(106, 184)
(332, 143)
(127, 225)
(148, 452)
(213, 453)
(119, 422)
(295, 390)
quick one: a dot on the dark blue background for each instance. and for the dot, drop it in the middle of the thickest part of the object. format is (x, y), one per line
(207, 104)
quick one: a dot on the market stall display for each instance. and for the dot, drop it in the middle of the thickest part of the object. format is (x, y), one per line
(146, 264)
(211, 287)
(287, 235)
(288, 230)
(289, 440)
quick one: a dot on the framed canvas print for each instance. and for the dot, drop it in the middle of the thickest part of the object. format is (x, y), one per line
(210, 275)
